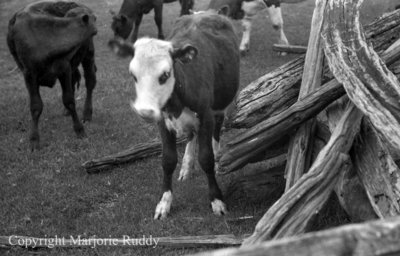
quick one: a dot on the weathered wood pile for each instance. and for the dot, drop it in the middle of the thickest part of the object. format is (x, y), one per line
(333, 118)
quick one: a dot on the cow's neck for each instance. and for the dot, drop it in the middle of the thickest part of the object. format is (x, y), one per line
(175, 104)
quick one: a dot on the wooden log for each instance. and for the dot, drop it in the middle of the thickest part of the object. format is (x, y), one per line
(377, 171)
(137, 152)
(349, 189)
(374, 238)
(374, 90)
(274, 92)
(256, 139)
(289, 48)
(126, 241)
(300, 146)
(291, 214)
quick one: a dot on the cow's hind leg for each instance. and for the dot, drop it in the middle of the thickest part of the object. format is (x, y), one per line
(219, 120)
(245, 43)
(69, 99)
(89, 68)
(186, 6)
(169, 161)
(76, 78)
(275, 15)
(188, 161)
(158, 19)
(206, 160)
(36, 107)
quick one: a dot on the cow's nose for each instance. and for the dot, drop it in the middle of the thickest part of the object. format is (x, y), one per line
(147, 114)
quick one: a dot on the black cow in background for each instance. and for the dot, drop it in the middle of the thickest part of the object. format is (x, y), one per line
(48, 41)
(132, 12)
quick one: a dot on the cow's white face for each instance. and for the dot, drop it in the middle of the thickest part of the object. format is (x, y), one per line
(152, 72)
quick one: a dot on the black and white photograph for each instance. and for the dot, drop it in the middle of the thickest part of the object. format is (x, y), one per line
(200, 127)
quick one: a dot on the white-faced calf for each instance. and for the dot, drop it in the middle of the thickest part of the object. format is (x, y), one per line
(184, 84)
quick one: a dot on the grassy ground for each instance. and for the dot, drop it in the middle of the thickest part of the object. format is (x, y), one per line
(46, 193)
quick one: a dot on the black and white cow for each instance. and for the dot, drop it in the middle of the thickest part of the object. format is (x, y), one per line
(246, 10)
(185, 83)
(132, 11)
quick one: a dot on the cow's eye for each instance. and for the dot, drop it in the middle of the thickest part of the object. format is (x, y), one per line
(164, 77)
(134, 78)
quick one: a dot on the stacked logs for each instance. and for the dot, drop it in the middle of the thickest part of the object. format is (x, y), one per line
(355, 99)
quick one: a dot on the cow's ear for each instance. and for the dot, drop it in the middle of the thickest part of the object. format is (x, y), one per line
(121, 47)
(224, 10)
(185, 54)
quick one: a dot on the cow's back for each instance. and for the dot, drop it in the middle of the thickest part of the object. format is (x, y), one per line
(214, 73)
(46, 29)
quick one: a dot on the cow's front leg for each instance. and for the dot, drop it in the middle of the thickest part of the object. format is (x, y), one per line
(134, 34)
(188, 161)
(36, 107)
(275, 15)
(206, 161)
(169, 161)
(89, 69)
(69, 99)
(158, 20)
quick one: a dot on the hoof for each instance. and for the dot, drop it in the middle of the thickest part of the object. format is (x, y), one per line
(66, 112)
(161, 37)
(34, 145)
(80, 132)
(164, 206)
(218, 207)
(244, 52)
(87, 116)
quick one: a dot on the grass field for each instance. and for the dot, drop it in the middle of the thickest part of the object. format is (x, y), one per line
(46, 193)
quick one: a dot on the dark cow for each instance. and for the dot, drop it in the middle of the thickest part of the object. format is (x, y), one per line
(246, 10)
(49, 40)
(132, 12)
(185, 84)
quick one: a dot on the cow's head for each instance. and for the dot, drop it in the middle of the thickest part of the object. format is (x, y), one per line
(152, 70)
(121, 25)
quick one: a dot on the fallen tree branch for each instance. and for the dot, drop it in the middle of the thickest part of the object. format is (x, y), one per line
(374, 238)
(289, 48)
(137, 152)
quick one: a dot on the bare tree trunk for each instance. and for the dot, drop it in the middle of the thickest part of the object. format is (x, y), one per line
(300, 146)
(368, 82)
